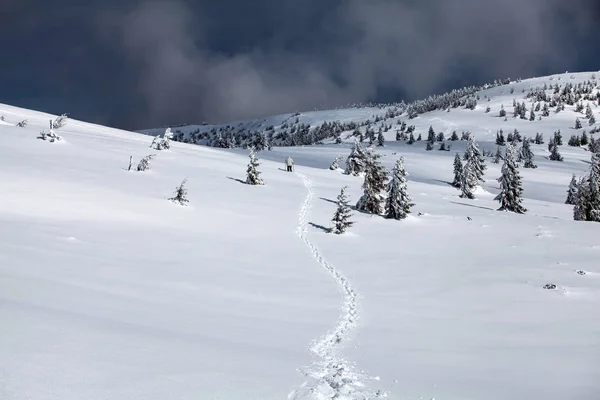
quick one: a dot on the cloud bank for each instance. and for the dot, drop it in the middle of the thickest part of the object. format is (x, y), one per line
(193, 62)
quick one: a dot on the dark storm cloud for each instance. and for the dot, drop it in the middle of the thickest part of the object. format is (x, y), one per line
(140, 64)
(343, 56)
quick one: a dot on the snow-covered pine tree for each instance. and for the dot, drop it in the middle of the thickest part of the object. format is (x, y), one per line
(180, 194)
(468, 181)
(581, 206)
(498, 156)
(594, 189)
(554, 154)
(336, 163)
(355, 163)
(398, 202)
(373, 185)
(572, 192)
(458, 171)
(144, 163)
(578, 123)
(411, 139)
(341, 218)
(527, 155)
(500, 140)
(252, 173)
(429, 146)
(380, 139)
(502, 111)
(431, 134)
(478, 164)
(511, 190)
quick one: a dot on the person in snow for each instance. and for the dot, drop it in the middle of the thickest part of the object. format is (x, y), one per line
(289, 163)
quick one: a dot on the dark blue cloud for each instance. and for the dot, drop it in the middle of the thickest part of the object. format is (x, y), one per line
(137, 64)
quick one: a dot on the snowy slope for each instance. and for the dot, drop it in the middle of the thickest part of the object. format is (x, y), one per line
(110, 291)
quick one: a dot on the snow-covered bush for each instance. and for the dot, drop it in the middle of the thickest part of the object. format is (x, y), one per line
(59, 122)
(162, 143)
(50, 136)
(144, 164)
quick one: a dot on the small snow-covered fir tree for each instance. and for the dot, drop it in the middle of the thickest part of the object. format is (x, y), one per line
(398, 202)
(469, 181)
(458, 171)
(355, 163)
(554, 154)
(572, 192)
(336, 163)
(252, 173)
(511, 191)
(578, 124)
(498, 156)
(144, 163)
(341, 218)
(180, 194)
(581, 206)
(373, 185)
(587, 207)
(527, 155)
(478, 161)
(380, 139)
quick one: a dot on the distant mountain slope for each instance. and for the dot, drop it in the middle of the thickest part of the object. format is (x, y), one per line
(304, 128)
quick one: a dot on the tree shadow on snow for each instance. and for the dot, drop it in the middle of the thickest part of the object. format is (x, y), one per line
(237, 180)
(321, 227)
(471, 205)
(328, 200)
(446, 182)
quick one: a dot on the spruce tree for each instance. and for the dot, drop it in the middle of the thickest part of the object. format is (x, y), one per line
(380, 139)
(458, 171)
(180, 194)
(431, 134)
(554, 154)
(594, 190)
(341, 218)
(498, 156)
(373, 185)
(478, 164)
(511, 191)
(527, 155)
(500, 141)
(253, 175)
(581, 206)
(468, 181)
(398, 202)
(572, 192)
(502, 111)
(577, 124)
(411, 139)
(355, 163)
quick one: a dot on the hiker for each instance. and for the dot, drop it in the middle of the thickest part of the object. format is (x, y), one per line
(289, 163)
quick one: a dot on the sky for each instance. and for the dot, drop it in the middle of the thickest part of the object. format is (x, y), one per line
(143, 64)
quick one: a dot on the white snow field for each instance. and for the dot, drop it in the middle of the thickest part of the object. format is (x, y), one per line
(110, 291)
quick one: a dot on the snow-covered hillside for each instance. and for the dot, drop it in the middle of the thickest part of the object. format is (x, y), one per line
(108, 290)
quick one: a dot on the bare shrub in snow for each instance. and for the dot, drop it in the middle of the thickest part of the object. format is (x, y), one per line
(180, 194)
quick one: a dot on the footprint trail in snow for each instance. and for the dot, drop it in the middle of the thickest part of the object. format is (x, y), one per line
(331, 377)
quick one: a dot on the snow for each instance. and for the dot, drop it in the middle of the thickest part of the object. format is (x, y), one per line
(110, 291)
